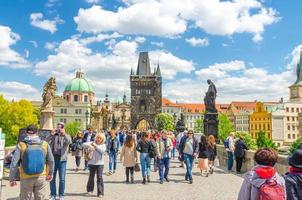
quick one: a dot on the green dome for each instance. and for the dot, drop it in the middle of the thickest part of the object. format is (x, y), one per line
(78, 84)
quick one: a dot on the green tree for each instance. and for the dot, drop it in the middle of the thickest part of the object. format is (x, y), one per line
(225, 126)
(72, 128)
(296, 145)
(164, 122)
(199, 124)
(15, 115)
(248, 140)
(264, 141)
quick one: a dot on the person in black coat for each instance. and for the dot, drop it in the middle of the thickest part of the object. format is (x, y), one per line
(239, 153)
(293, 179)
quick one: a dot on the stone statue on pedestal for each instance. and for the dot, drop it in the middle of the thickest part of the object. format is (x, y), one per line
(210, 121)
(47, 112)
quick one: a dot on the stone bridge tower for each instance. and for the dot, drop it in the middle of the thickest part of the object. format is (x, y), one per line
(146, 94)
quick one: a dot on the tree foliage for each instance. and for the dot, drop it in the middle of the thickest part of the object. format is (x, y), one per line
(164, 122)
(15, 115)
(225, 126)
(248, 140)
(199, 124)
(72, 128)
(264, 141)
(296, 145)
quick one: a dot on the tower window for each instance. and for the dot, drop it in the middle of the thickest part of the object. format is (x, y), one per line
(75, 98)
(85, 98)
(142, 105)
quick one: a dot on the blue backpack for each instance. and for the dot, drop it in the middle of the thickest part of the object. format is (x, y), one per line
(226, 143)
(33, 157)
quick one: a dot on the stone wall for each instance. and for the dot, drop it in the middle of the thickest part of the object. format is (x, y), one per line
(281, 166)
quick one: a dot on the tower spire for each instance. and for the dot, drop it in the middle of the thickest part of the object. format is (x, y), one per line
(158, 72)
(143, 65)
(299, 68)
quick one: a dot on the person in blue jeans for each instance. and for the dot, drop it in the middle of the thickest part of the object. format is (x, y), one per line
(112, 150)
(144, 146)
(188, 150)
(230, 147)
(164, 146)
(59, 142)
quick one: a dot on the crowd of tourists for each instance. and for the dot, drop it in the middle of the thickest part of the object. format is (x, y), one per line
(40, 161)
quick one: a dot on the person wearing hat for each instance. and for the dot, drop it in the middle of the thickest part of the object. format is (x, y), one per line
(293, 179)
(36, 165)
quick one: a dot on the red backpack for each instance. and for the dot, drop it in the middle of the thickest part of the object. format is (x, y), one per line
(271, 190)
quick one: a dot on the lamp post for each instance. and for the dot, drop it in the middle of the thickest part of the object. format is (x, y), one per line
(123, 117)
(87, 116)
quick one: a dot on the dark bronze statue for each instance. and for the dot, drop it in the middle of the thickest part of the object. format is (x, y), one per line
(180, 125)
(210, 98)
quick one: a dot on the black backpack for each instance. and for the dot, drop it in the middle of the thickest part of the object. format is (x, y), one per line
(152, 150)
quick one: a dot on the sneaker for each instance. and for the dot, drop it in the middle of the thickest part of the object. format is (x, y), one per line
(132, 179)
(109, 173)
(100, 196)
(61, 198)
(52, 198)
(89, 194)
(144, 181)
(191, 181)
(113, 172)
(167, 179)
(161, 182)
(148, 179)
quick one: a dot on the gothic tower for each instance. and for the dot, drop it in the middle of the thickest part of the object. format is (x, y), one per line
(146, 94)
(296, 88)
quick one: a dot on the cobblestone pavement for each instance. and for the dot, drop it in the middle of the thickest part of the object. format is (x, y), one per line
(219, 186)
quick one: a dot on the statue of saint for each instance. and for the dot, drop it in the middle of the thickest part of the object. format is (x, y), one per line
(210, 98)
(48, 95)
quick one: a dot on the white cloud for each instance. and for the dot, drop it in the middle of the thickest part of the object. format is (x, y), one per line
(34, 43)
(158, 44)
(50, 45)
(171, 17)
(109, 69)
(143, 18)
(198, 42)
(45, 24)
(8, 56)
(17, 91)
(294, 56)
(93, 1)
(100, 38)
(140, 40)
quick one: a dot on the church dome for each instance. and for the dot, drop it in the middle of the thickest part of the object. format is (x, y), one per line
(79, 84)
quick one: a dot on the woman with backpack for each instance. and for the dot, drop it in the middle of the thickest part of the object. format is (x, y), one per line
(95, 155)
(293, 179)
(203, 156)
(212, 152)
(263, 181)
(146, 150)
(129, 154)
(77, 149)
(239, 153)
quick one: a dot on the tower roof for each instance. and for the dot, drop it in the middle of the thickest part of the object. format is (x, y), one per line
(299, 70)
(143, 65)
(78, 84)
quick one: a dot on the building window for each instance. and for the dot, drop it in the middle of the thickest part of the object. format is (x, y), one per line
(67, 97)
(293, 118)
(294, 136)
(293, 109)
(288, 119)
(78, 120)
(297, 109)
(75, 98)
(78, 111)
(63, 120)
(288, 136)
(85, 98)
(63, 110)
(288, 128)
(294, 128)
(268, 127)
(287, 109)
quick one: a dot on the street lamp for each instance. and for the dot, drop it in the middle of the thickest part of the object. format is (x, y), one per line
(87, 116)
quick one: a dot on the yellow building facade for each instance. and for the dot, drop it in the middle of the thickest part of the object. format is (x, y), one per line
(260, 120)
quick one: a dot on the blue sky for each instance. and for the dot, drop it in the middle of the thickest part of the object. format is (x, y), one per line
(249, 48)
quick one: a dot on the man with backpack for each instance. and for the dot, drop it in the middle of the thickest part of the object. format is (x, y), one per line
(59, 142)
(229, 146)
(263, 182)
(36, 165)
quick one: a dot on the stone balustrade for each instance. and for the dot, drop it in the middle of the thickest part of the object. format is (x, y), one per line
(281, 166)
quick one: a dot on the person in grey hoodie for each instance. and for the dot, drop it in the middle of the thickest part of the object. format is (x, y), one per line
(59, 142)
(264, 170)
(31, 183)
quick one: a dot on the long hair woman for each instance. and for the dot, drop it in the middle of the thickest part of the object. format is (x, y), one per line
(203, 156)
(95, 157)
(212, 153)
(144, 145)
(129, 155)
(77, 149)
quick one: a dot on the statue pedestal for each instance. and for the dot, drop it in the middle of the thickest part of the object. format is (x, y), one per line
(210, 124)
(47, 119)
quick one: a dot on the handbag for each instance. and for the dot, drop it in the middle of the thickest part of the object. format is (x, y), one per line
(137, 168)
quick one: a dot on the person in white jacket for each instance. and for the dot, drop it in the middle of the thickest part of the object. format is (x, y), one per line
(95, 155)
(230, 147)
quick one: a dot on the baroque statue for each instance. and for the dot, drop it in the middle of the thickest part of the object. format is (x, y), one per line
(48, 95)
(210, 98)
